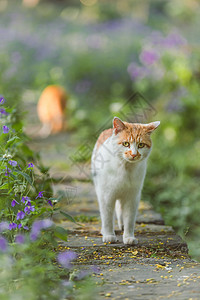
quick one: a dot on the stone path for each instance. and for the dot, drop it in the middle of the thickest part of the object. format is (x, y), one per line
(157, 268)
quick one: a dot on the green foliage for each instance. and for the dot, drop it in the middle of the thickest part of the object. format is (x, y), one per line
(29, 263)
(30, 270)
(18, 178)
(173, 174)
(68, 217)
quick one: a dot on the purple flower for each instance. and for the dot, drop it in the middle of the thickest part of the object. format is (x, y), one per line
(65, 258)
(26, 227)
(5, 129)
(148, 57)
(33, 236)
(20, 215)
(3, 226)
(41, 224)
(46, 223)
(7, 171)
(30, 165)
(20, 226)
(28, 203)
(12, 226)
(3, 244)
(28, 209)
(38, 226)
(13, 203)
(136, 71)
(12, 163)
(19, 239)
(50, 203)
(40, 195)
(174, 39)
(2, 111)
(25, 198)
(2, 100)
(81, 275)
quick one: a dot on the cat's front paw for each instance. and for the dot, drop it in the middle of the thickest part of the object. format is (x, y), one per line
(109, 238)
(130, 240)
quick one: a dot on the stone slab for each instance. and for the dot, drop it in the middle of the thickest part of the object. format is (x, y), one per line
(153, 279)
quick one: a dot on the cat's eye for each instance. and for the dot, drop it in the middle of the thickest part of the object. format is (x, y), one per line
(141, 145)
(126, 144)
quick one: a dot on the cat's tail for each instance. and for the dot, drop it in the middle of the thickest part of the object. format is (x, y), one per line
(118, 211)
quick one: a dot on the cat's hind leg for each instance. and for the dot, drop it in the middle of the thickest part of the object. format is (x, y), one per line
(118, 211)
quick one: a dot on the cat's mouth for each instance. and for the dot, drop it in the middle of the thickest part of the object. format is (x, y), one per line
(133, 159)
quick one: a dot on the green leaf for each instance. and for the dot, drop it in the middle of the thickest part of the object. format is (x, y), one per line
(27, 151)
(11, 141)
(4, 186)
(70, 218)
(26, 176)
(42, 211)
(13, 176)
(61, 233)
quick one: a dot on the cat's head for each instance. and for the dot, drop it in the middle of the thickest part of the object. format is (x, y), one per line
(133, 140)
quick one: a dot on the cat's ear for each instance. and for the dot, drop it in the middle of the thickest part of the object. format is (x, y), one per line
(118, 125)
(152, 126)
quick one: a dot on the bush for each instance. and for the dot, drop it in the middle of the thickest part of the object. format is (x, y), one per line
(30, 265)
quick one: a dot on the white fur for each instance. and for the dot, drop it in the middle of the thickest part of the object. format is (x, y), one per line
(118, 184)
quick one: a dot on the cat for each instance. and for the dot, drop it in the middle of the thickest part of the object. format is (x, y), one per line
(119, 162)
(51, 110)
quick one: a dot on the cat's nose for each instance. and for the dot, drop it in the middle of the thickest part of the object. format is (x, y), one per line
(133, 155)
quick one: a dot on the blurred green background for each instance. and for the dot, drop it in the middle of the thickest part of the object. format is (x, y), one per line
(103, 52)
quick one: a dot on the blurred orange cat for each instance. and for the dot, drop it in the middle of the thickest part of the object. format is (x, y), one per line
(51, 110)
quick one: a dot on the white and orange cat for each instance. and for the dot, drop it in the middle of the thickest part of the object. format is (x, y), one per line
(119, 163)
(51, 110)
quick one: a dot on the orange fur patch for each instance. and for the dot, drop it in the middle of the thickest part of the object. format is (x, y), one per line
(104, 136)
